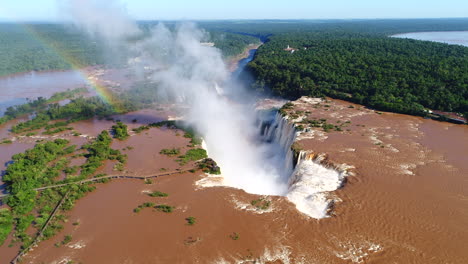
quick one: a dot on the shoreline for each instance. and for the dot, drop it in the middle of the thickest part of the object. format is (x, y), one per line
(437, 37)
(232, 63)
(85, 69)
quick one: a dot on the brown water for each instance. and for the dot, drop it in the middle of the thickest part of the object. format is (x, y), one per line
(407, 203)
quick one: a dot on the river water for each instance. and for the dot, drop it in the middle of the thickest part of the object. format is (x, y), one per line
(449, 37)
(16, 89)
(407, 203)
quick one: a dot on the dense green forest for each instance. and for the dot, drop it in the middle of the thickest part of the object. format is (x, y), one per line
(378, 27)
(41, 47)
(356, 60)
(389, 74)
(231, 44)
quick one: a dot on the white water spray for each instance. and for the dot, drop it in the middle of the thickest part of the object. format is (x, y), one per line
(193, 75)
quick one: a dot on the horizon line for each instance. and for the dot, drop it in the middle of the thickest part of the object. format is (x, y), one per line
(240, 19)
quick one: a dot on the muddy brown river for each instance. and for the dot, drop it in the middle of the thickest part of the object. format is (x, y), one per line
(406, 202)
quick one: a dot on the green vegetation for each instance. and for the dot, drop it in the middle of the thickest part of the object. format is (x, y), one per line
(140, 129)
(98, 152)
(261, 204)
(57, 130)
(20, 50)
(158, 194)
(169, 124)
(68, 94)
(194, 139)
(148, 181)
(119, 167)
(6, 224)
(190, 220)
(6, 141)
(232, 44)
(77, 109)
(192, 155)
(71, 170)
(351, 60)
(31, 170)
(39, 167)
(67, 239)
(390, 74)
(285, 107)
(170, 152)
(234, 236)
(142, 206)
(209, 166)
(120, 131)
(38, 105)
(322, 123)
(164, 208)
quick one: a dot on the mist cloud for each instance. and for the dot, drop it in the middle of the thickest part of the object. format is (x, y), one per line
(194, 75)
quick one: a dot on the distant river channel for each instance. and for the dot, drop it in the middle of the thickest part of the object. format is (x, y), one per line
(449, 37)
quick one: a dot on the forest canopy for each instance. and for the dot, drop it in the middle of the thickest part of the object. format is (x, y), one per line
(390, 74)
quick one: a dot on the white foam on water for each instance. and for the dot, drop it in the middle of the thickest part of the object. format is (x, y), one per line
(307, 184)
(310, 185)
(281, 254)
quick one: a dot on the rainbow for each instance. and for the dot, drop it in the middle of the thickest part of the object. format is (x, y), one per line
(102, 91)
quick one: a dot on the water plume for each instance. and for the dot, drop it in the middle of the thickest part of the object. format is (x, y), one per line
(194, 75)
(253, 150)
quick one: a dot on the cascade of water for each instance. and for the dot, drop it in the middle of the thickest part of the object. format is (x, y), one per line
(280, 131)
(304, 178)
(307, 179)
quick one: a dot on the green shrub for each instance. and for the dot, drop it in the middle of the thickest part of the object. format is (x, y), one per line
(158, 194)
(190, 220)
(148, 181)
(261, 204)
(6, 224)
(142, 206)
(120, 131)
(192, 155)
(165, 208)
(170, 152)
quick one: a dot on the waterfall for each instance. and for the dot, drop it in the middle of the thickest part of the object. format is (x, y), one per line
(303, 177)
(280, 131)
(310, 178)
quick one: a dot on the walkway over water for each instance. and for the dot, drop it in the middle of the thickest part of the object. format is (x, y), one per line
(114, 176)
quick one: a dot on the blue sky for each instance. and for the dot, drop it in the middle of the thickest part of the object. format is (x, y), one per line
(251, 9)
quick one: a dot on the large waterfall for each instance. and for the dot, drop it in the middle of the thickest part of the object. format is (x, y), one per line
(308, 178)
(303, 177)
